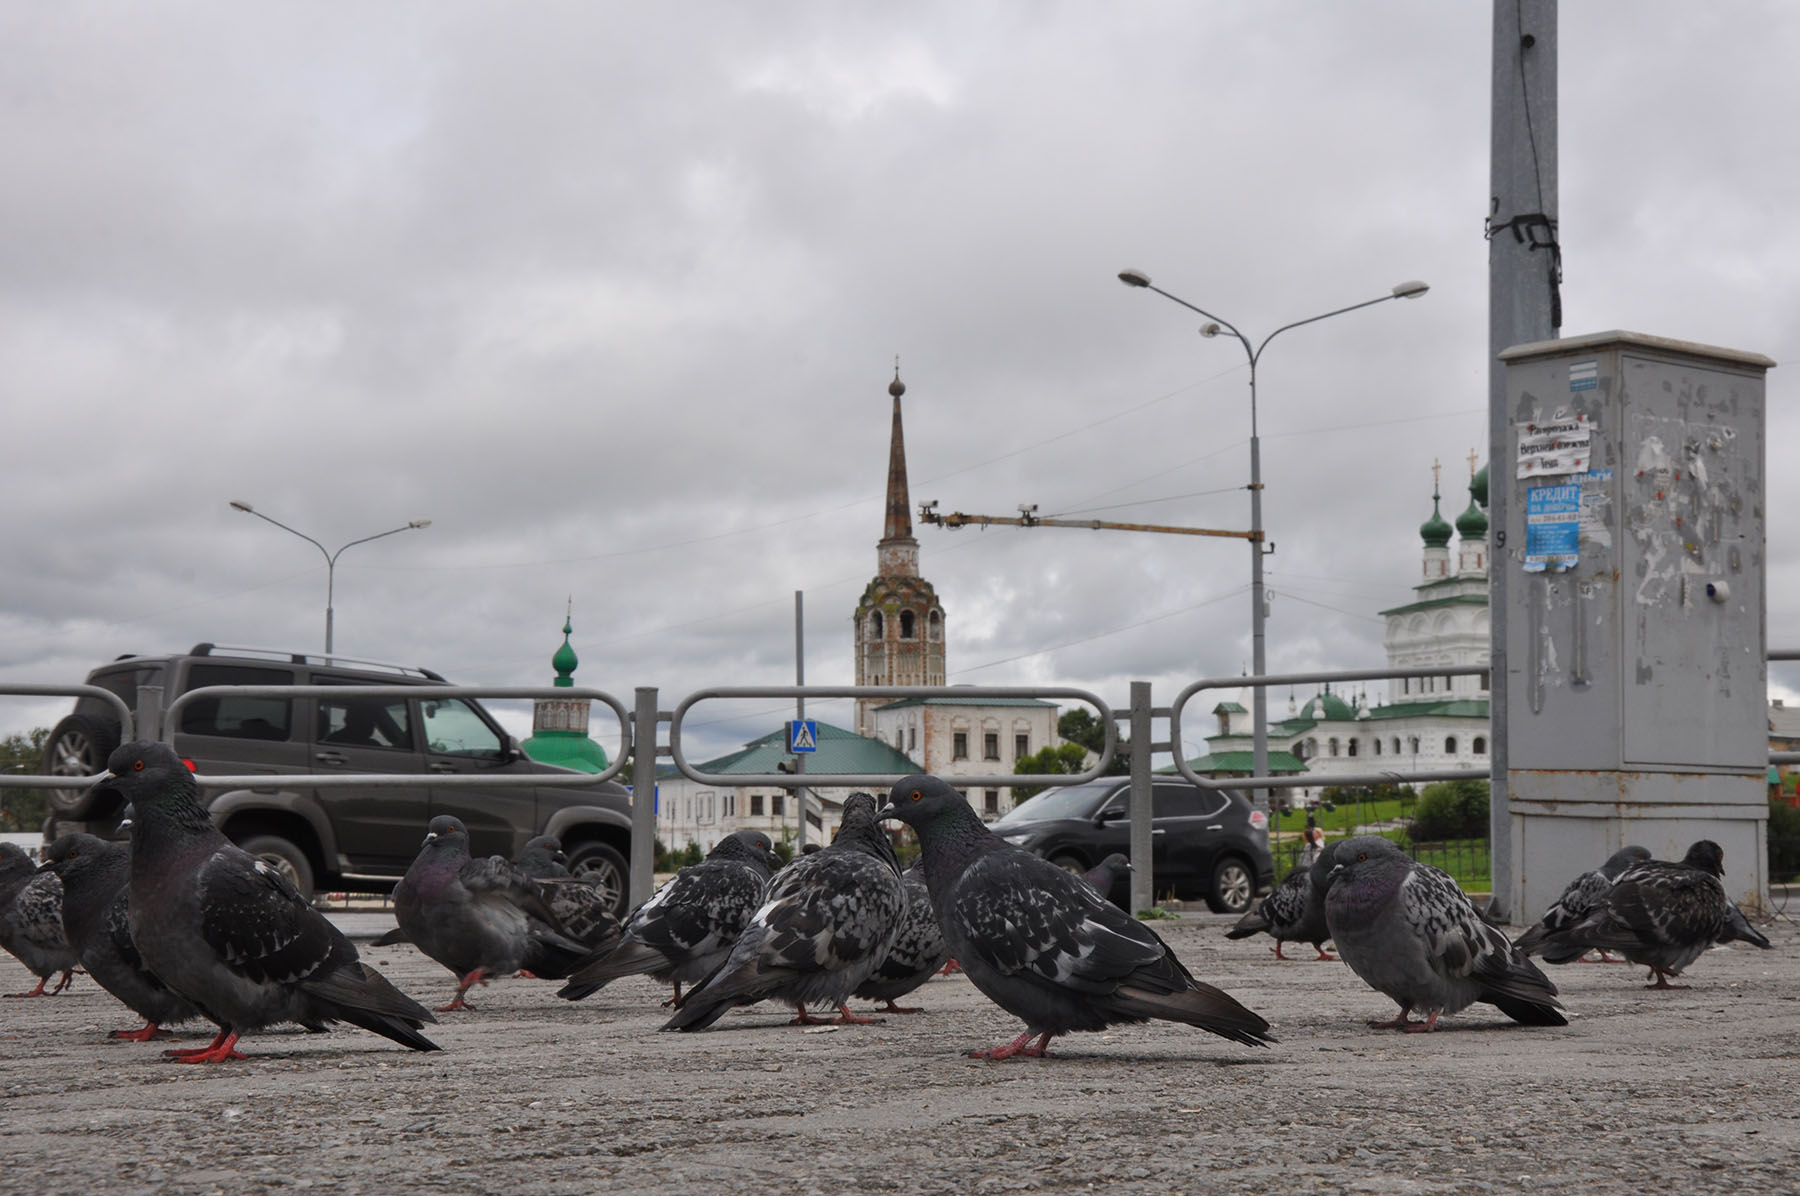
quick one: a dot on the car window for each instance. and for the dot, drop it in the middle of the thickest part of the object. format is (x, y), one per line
(1185, 801)
(238, 717)
(364, 722)
(122, 681)
(1055, 804)
(452, 727)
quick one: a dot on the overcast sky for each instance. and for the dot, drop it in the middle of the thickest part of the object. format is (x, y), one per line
(612, 294)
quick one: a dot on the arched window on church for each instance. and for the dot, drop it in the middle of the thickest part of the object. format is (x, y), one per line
(906, 624)
(1332, 745)
(1396, 745)
(1449, 745)
(1376, 744)
(1352, 746)
(934, 627)
(876, 627)
(1479, 747)
(1415, 745)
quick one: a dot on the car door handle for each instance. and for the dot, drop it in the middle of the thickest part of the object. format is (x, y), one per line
(450, 769)
(1157, 830)
(1217, 826)
(329, 758)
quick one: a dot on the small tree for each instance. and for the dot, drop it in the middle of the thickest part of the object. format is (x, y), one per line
(1450, 810)
(1065, 760)
(1080, 726)
(23, 809)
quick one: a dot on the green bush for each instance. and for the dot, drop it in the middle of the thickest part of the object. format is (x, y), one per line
(1450, 810)
(1784, 841)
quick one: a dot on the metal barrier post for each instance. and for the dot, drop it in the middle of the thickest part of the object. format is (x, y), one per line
(643, 797)
(149, 712)
(1143, 867)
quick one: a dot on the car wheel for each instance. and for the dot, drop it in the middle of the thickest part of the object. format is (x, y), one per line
(1069, 863)
(1233, 887)
(285, 857)
(78, 747)
(603, 868)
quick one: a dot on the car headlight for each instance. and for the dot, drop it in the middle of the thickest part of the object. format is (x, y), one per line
(1018, 837)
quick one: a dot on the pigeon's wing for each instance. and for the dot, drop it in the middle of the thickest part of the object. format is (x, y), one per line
(260, 926)
(1021, 919)
(829, 911)
(918, 945)
(1286, 906)
(1655, 905)
(498, 879)
(1459, 944)
(703, 907)
(37, 912)
(583, 911)
(1578, 899)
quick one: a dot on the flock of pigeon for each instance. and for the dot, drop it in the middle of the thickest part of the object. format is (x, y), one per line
(180, 924)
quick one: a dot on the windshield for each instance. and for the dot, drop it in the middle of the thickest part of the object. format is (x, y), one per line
(1075, 801)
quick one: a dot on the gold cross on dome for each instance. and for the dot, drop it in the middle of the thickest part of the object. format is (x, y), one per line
(1472, 459)
(1435, 467)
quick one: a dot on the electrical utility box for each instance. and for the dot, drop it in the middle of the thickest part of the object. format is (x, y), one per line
(1636, 640)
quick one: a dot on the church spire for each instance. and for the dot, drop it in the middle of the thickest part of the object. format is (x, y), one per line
(898, 552)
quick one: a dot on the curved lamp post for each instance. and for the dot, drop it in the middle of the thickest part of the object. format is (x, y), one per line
(1259, 704)
(330, 557)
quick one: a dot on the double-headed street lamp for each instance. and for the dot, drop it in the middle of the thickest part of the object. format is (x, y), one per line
(1259, 704)
(330, 557)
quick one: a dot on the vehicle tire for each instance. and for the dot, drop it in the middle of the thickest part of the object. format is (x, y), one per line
(605, 869)
(78, 747)
(1233, 886)
(285, 857)
(1070, 863)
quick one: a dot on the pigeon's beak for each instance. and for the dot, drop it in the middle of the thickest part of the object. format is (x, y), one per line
(1129, 867)
(127, 816)
(1335, 869)
(886, 811)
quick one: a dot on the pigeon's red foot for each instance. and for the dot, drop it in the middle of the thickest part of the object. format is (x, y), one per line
(1426, 1026)
(1401, 1021)
(527, 974)
(674, 1002)
(218, 1050)
(1324, 955)
(1662, 982)
(149, 1031)
(1017, 1047)
(478, 976)
(36, 992)
(803, 1018)
(951, 968)
(846, 1018)
(1277, 949)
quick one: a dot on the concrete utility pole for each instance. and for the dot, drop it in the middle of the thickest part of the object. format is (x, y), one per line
(1524, 306)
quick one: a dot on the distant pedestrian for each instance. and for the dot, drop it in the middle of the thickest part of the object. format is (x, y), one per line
(1315, 843)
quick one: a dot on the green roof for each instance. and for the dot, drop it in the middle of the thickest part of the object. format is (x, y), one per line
(1227, 762)
(840, 751)
(1431, 603)
(1451, 708)
(565, 749)
(1229, 708)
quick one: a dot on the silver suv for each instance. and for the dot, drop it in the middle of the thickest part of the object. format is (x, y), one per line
(337, 838)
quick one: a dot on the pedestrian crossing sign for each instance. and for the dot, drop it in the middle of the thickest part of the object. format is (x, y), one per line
(803, 735)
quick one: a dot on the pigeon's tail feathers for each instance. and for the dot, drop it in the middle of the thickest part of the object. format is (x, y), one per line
(1201, 1005)
(553, 957)
(699, 1014)
(1738, 929)
(358, 994)
(396, 935)
(1749, 934)
(598, 969)
(741, 980)
(1528, 1012)
(1251, 923)
(1532, 942)
(1560, 954)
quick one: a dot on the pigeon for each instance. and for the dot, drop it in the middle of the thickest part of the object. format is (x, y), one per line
(479, 918)
(1410, 932)
(829, 918)
(918, 950)
(543, 859)
(31, 920)
(1577, 899)
(1738, 929)
(688, 926)
(1106, 875)
(1043, 945)
(1293, 913)
(583, 912)
(230, 934)
(96, 914)
(1658, 914)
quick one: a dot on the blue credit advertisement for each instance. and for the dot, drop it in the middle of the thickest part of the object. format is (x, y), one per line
(1552, 526)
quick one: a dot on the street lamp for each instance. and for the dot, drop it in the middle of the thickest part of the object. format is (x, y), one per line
(238, 504)
(1259, 705)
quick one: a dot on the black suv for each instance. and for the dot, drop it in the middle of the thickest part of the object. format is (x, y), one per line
(1207, 843)
(337, 838)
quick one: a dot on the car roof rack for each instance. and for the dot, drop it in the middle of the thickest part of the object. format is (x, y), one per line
(311, 658)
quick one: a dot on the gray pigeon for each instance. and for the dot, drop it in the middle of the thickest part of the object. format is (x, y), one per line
(1577, 900)
(1410, 932)
(1293, 913)
(227, 932)
(543, 859)
(96, 914)
(479, 918)
(1738, 930)
(31, 920)
(828, 920)
(1040, 943)
(1106, 875)
(1658, 914)
(688, 926)
(918, 950)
